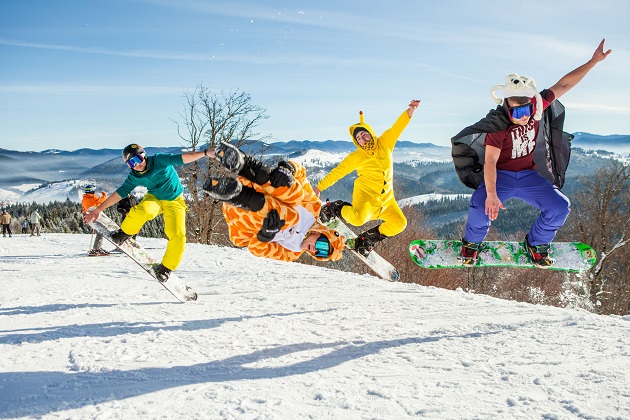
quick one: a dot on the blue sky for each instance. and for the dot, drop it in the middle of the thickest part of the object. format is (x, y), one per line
(77, 73)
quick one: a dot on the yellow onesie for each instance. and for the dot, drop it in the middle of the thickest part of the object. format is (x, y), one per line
(373, 195)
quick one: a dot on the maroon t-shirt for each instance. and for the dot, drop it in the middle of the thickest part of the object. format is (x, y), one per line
(517, 143)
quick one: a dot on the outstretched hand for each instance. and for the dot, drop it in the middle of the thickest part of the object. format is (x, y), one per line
(599, 53)
(415, 103)
(91, 216)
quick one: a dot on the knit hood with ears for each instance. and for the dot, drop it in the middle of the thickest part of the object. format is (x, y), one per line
(516, 85)
(337, 241)
(371, 145)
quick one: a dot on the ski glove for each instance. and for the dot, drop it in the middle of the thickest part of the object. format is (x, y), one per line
(282, 176)
(271, 226)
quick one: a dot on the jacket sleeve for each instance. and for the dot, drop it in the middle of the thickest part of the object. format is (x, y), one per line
(389, 138)
(349, 164)
(125, 189)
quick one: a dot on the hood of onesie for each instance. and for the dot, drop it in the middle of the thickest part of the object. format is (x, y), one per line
(337, 242)
(362, 126)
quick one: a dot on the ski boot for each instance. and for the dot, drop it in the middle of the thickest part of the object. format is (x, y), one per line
(469, 254)
(162, 273)
(332, 210)
(539, 254)
(364, 243)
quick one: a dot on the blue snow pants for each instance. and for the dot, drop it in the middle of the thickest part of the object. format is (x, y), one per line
(528, 186)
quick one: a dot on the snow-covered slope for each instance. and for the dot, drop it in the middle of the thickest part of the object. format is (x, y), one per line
(95, 337)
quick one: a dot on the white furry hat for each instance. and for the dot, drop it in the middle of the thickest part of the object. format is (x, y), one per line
(516, 85)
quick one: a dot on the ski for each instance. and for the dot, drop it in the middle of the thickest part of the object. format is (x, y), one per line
(141, 256)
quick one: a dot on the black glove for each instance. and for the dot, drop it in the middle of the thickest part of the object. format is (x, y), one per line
(271, 226)
(282, 176)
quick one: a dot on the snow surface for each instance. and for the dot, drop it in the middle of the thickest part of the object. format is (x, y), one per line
(424, 198)
(95, 337)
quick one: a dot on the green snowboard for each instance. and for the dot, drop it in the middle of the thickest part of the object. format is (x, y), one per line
(570, 256)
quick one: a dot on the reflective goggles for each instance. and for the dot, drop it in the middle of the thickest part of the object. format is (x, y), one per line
(322, 246)
(521, 111)
(136, 160)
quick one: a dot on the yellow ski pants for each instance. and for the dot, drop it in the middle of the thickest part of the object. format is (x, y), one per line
(174, 225)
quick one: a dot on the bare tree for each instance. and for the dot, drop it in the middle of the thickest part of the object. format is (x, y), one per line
(600, 218)
(208, 119)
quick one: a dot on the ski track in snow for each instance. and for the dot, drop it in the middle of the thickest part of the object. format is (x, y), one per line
(96, 337)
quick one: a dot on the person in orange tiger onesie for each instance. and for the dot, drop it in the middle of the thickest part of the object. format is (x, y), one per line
(272, 212)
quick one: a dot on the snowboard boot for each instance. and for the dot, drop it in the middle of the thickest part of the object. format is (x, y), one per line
(283, 175)
(539, 254)
(161, 273)
(469, 253)
(364, 243)
(332, 210)
(244, 165)
(119, 237)
(230, 157)
(223, 188)
(231, 191)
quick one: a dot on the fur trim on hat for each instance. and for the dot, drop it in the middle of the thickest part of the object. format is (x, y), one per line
(516, 85)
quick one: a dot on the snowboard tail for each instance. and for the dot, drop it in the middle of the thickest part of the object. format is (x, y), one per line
(174, 284)
(573, 257)
(379, 265)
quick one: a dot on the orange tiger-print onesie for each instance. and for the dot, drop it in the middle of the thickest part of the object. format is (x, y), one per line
(244, 225)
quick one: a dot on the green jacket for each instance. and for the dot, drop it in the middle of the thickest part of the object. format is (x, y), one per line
(160, 178)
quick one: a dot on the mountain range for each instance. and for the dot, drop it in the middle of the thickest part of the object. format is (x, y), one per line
(421, 168)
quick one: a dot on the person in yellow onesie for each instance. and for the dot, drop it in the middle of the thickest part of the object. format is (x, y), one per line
(373, 194)
(271, 212)
(164, 196)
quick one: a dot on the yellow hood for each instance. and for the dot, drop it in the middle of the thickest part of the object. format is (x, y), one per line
(369, 147)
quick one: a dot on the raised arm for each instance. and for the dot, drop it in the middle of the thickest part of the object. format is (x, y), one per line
(571, 79)
(191, 157)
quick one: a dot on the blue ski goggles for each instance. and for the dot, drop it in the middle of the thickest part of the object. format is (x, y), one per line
(521, 111)
(136, 160)
(322, 246)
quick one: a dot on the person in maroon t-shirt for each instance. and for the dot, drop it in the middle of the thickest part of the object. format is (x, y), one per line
(509, 170)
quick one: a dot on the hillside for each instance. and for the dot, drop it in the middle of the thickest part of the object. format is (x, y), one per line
(86, 337)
